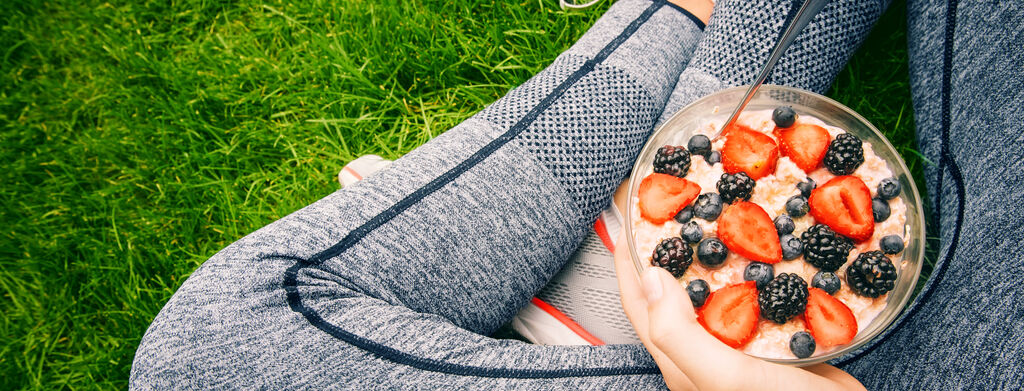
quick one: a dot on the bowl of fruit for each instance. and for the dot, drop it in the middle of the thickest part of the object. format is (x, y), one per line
(798, 232)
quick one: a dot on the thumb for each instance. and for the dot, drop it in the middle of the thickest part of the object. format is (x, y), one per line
(672, 322)
(673, 329)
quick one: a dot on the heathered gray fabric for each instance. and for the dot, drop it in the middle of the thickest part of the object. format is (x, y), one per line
(408, 305)
(415, 294)
(964, 330)
(741, 34)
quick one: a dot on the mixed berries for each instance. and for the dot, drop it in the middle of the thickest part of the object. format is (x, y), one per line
(872, 274)
(844, 214)
(738, 186)
(760, 273)
(708, 206)
(673, 255)
(673, 161)
(698, 290)
(844, 154)
(784, 297)
(826, 281)
(824, 248)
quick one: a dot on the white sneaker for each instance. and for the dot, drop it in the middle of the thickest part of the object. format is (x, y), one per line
(357, 169)
(581, 305)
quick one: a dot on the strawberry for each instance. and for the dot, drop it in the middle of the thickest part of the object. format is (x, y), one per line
(844, 204)
(663, 195)
(747, 230)
(805, 144)
(754, 153)
(731, 313)
(829, 320)
(734, 126)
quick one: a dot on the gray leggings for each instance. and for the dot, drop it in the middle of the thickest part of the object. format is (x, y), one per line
(395, 282)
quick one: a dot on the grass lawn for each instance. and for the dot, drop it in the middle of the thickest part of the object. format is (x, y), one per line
(140, 137)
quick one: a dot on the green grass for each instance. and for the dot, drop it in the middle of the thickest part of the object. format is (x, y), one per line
(139, 138)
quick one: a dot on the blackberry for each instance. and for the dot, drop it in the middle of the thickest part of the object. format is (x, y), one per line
(891, 244)
(711, 252)
(784, 116)
(872, 274)
(888, 188)
(671, 160)
(844, 154)
(759, 272)
(806, 187)
(783, 298)
(880, 210)
(802, 344)
(824, 248)
(691, 232)
(684, 214)
(673, 255)
(736, 186)
(713, 157)
(699, 145)
(708, 206)
(698, 290)
(797, 206)
(784, 225)
(827, 281)
(791, 247)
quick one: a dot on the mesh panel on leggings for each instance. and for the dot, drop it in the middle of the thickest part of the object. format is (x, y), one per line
(508, 110)
(741, 33)
(591, 154)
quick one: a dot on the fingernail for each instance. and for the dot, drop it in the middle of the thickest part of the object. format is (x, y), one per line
(652, 284)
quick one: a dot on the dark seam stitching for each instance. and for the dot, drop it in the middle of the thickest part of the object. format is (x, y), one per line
(945, 158)
(389, 353)
(694, 18)
(360, 232)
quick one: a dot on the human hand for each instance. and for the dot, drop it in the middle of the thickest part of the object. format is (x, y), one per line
(692, 359)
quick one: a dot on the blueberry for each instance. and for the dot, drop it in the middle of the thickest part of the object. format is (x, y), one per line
(685, 214)
(888, 188)
(691, 232)
(880, 208)
(713, 157)
(792, 247)
(699, 291)
(806, 187)
(797, 206)
(708, 206)
(711, 252)
(699, 145)
(784, 224)
(802, 344)
(762, 273)
(891, 244)
(784, 116)
(827, 281)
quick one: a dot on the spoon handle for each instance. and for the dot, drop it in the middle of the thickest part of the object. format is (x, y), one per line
(803, 16)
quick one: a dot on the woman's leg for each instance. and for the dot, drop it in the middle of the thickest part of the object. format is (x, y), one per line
(741, 34)
(394, 281)
(964, 330)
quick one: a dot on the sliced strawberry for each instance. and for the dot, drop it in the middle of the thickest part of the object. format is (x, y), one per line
(735, 126)
(754, 153)
(844, 204)
(731, 313)
(747, 230)
(829, 320)
(663, 195)
(805, 144)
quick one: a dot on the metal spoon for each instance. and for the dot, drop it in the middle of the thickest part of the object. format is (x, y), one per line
(798, 21)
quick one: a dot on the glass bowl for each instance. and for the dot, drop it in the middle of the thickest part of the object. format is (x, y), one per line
(717, 107)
